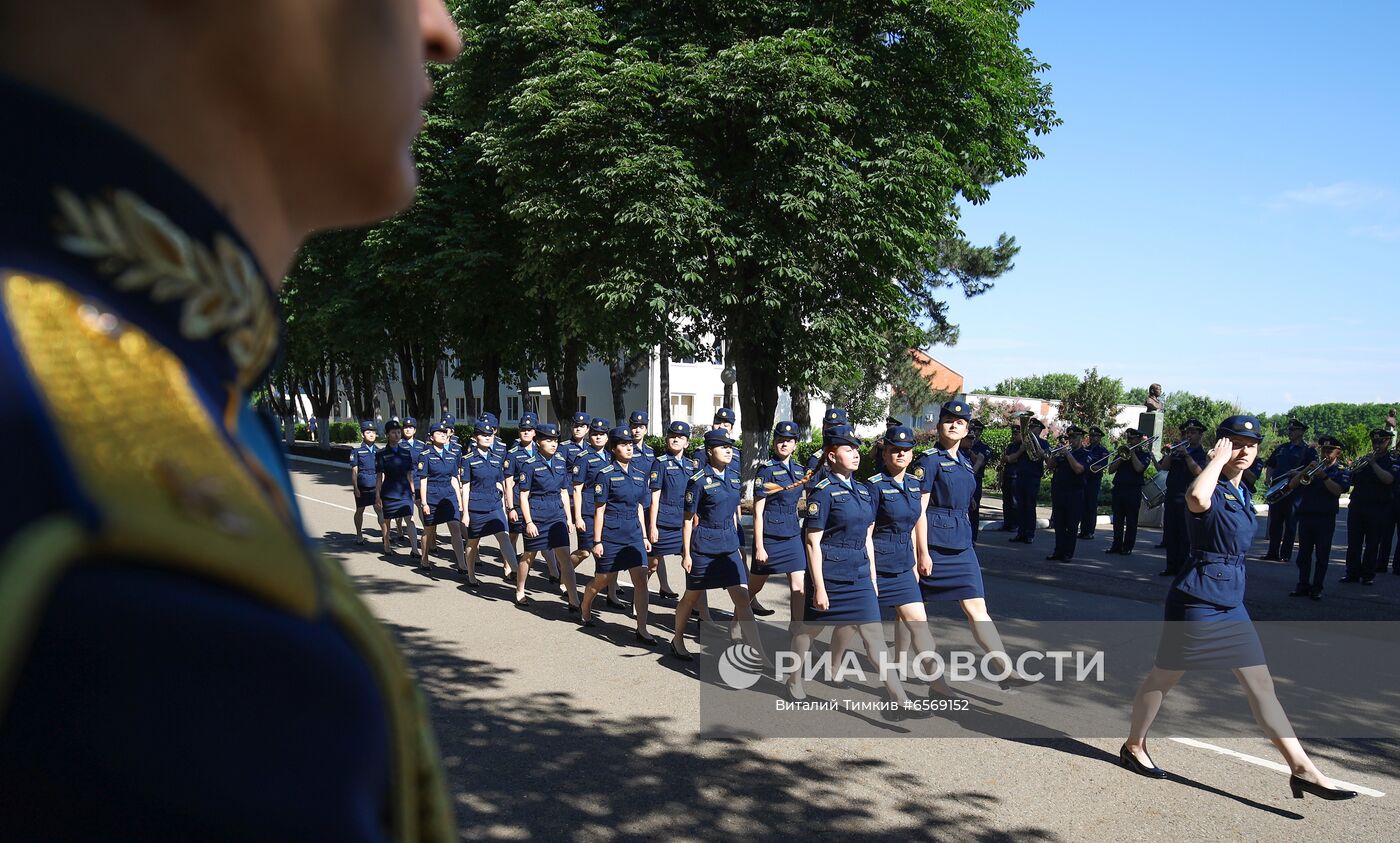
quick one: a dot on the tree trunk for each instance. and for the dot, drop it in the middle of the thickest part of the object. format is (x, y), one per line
(391, 409)
(416, 368)
(758, 399)
(728, 363)
(801, 409)
(615, 379)
(469, 394)
(491, 384)
(663, 363)
(442, 387)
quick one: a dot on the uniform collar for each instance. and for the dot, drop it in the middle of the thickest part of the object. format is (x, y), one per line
(89, 205)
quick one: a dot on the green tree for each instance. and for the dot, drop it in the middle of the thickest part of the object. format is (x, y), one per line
(1049, 387)
(797, 169)
(1180, 406)
(1093, 401)
(1335, 418)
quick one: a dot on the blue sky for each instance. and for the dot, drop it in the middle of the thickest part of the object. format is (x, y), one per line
(1220, 211)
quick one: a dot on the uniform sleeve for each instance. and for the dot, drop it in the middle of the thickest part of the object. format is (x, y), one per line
(577, 470)
(464, 471)
(600, 489)
(654, 478)
(354, 457)
(818, 509)
(523, 476)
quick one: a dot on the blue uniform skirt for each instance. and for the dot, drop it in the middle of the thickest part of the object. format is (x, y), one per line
(850, 603)
(364, 497)
(898, 589)
(668, 541)
(785, 555)
(1203, 636)
(443, 510)
(715, 570)
(401, 508)
(552, 534)
(956, 575)
(621, 556)
(486, 523)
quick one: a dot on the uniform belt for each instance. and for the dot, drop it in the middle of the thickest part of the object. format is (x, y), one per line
(951, 510)
(851, 545)
(1223, 558)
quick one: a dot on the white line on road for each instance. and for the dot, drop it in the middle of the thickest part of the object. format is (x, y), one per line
(1272, 765)
(327, 503)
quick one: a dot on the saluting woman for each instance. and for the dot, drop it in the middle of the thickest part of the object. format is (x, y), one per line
(1207, 624)
(840, 554)
(948, 566)
(710, 541)
(777, 537)
(619, 530)
(544, 484)
(440, 494)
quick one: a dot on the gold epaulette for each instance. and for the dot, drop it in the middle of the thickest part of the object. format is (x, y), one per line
(191, 502)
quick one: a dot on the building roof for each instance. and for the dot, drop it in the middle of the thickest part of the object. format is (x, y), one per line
(940, 377)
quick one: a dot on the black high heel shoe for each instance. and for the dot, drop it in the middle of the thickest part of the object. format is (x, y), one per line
(1130, 761)
(649, 640)
(681, 654)
(1300, 785)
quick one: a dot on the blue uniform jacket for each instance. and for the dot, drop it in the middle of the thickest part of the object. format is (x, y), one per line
(671, 476)
(844, 514)
(780, 507)
(715, 498)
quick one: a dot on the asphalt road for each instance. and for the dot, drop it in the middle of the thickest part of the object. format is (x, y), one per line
(550, 731)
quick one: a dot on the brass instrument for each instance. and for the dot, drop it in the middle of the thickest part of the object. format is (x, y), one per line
(1123, 452)
(1361, 462)
(1029, 441)
(1307, 476)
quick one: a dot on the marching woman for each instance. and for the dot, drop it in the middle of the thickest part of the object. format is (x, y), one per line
(670, 475)
(440, 494)
(1207, 625)
(394, 491)
(544, 511)
(585, 468)
(518, 454)
(619, 530)
(777, 539)
(900, 526)
(484, 481)
(710, 541)
(948, 566)
(840, 552)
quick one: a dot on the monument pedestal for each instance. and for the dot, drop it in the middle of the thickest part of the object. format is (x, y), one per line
(1151, 424)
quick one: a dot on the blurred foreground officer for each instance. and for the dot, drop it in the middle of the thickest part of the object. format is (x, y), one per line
(1318, 503)
(364, 479)
(1283, 519)
(1368, 514)
(178, 663)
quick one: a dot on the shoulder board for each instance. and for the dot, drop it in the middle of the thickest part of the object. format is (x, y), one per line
(875, 478)
(767, 463)
(823, 483)
(608, 469)
(697, 475)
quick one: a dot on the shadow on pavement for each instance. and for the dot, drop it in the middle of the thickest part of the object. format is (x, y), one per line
(549, 767)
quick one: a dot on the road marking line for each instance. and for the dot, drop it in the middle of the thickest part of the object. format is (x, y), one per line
(1272, 765)
(327, 503)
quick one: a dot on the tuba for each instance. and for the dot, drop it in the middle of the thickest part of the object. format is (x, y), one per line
(1029, 440)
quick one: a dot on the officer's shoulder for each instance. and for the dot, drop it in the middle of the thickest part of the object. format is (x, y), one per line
(607, 469)
(697, 475)
(122, 480)
(768, 463)
(877, 477)
(823, 483)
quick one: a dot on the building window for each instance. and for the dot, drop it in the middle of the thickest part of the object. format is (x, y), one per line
(583, 403)
(476, 407)
(461, 408)
(683, 408)
(719, 402)
(513, 407)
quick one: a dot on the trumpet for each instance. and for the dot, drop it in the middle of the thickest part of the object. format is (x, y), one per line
(1307, 476)
(1176, 448)
(1123, 452)
(1361, 462)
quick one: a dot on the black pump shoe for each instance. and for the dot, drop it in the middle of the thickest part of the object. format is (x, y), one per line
(1300, 785)
(1127, 759)
(681, 654)
(761, 611)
